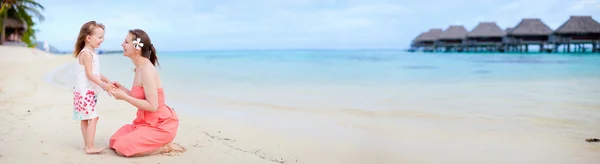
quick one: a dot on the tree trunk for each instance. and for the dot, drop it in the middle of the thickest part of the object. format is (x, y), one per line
(3, 15)
(2, 30)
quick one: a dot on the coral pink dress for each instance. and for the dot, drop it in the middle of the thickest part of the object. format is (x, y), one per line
(149, 131)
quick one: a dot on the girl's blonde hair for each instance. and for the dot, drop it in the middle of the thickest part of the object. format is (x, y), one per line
(85, 30)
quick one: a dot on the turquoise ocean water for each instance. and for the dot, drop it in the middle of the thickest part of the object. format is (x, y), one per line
(393, 85)
(367, 67)
(296, 78)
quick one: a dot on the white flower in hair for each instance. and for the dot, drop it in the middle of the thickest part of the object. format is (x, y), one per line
(138, 43)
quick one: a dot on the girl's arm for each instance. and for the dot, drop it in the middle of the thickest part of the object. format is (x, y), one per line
(86, 60)
(150, 90)
(105, 79)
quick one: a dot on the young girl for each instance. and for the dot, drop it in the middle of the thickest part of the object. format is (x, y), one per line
(88, 80)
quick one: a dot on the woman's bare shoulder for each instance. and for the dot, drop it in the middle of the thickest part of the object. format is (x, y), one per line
(149, 71)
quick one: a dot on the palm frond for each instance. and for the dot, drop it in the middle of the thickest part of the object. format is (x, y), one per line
(34, 12)
(29, 33)
(4, 9)
(31, 3)
(23, 15)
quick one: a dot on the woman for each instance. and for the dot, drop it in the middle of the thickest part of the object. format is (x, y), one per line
(156, 123)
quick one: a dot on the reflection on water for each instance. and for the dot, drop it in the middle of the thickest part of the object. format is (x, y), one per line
(482, 72)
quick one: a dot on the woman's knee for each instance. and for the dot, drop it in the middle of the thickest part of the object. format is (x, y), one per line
(119, 153)
(111, 142)
(125, 145)
(124, 130)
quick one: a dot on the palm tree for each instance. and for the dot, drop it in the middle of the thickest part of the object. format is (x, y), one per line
(23, 10)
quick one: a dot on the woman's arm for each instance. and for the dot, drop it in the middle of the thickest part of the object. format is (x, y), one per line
(150, 90)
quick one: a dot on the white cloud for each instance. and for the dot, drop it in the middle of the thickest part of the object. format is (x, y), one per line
(514, 5)
(583, 4)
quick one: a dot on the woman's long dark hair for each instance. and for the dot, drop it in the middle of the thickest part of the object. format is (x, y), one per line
(148, 50)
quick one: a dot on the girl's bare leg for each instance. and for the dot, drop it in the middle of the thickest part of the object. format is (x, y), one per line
(84, 126)
(91, 134)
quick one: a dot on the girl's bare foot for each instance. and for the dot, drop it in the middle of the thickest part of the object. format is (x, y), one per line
(94, 150)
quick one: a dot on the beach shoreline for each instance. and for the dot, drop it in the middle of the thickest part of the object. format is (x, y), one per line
(280, 131)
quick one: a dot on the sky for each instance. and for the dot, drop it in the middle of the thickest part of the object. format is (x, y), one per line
(187, 25)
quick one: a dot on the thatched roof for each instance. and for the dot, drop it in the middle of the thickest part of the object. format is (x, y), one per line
(508, 30)
(454, 32)
(487, 29)
(13, 23)
(579, 24)
(430, 35)
(528, 27)
(421, 34)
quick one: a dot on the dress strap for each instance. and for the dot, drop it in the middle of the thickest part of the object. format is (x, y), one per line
(93, 54)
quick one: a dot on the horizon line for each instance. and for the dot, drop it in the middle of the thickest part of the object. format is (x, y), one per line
(274, 49)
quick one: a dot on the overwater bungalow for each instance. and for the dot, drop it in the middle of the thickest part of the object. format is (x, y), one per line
(426, 41)
(486, 36)
(578, 31)
(414, 45)
(507, 41)
(452, 39)
(582, 32)
(527, 32)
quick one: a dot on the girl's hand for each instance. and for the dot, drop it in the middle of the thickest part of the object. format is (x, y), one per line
(106, 86)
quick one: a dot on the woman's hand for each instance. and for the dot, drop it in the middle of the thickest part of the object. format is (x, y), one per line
(117, 85)
(118, 94)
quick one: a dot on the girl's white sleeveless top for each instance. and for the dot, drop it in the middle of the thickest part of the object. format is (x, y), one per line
(82, 83)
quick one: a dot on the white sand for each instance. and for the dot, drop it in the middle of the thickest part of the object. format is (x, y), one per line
(36, 127)
(36, 124)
